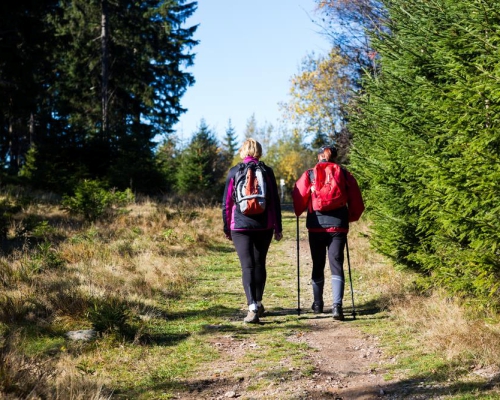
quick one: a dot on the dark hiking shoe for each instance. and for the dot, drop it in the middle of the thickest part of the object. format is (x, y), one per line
(337, 312)
(317, 307)
(252, 317)
(260, 311)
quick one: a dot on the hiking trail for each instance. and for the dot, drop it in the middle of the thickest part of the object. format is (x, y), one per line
(346, 362)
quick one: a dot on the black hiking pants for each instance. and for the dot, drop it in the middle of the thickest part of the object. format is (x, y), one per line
(252, 247)
(333, 244)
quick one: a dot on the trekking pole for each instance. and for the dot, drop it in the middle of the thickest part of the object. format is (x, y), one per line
(350, 279)
(298, 270)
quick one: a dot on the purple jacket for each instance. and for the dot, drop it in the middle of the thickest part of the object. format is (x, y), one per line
(233, 219)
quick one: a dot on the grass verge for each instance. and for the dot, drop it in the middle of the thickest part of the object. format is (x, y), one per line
(163, 289)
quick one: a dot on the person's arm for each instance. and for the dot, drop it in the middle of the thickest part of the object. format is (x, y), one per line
(275, 205)
(227, 205)
(355, 200)
(301, 194)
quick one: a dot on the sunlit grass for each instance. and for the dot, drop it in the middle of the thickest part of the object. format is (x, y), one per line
(162, 285)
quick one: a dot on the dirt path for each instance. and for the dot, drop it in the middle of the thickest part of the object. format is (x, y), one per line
(346, 366)
(345, 362)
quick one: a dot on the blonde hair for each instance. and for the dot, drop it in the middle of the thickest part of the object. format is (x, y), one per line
(251, 148)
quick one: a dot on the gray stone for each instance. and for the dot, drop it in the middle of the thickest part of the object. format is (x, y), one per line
(85, 334)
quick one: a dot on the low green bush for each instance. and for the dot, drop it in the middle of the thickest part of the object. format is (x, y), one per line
(93, 200)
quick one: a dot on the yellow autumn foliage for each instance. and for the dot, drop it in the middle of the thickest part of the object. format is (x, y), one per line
(319, 94)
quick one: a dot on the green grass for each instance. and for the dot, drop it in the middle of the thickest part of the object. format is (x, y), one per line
(178, 344)
(159, 329)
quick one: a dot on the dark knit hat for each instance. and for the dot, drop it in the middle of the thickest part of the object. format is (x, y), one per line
(332, 148)
(326, 146)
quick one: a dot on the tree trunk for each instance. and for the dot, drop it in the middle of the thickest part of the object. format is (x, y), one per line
(105, 67)
(32, 129)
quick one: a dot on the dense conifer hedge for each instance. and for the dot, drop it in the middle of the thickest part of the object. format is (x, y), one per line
(426, 143)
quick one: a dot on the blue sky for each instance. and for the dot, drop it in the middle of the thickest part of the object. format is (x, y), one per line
(248, 51)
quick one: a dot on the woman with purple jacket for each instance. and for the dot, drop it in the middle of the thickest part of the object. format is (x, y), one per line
(252, 231)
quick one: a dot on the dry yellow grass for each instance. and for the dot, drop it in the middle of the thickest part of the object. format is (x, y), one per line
(152, 249)
(377, 276)
(436, 322)
(448, 328)
(152, 252)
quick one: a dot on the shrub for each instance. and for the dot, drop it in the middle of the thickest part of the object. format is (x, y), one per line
(108, 315)
(45, 257)
(93, 201)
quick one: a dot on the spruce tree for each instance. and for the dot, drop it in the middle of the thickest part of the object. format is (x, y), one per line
(26, 41)
(426, 143)
(229, 147)
(116, 79)
(251, 127)
(230, 142)
(168, 163)
(199, 171)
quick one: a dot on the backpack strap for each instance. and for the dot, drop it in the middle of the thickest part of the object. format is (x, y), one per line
(311, 175)
(241, 167)
(344, 171)
(263, 167)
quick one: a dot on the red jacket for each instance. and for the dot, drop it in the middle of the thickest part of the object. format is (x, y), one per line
(330, 221)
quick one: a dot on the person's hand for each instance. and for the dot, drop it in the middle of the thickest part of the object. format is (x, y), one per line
(278, 236)
(228, 236)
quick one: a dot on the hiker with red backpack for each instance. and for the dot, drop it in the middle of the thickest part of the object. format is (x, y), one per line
(332, 198)
(251, 214)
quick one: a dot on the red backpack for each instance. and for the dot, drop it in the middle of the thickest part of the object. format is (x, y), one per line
(250, 188)
(328, 186)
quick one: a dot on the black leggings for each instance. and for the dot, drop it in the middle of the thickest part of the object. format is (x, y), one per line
(252, 247)
(320, 243)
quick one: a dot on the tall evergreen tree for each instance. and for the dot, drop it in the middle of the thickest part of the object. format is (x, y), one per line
(200, 170)
(319, 139)
(230, 142)
(168, 163)
(229, 147)
(263, 133)
(427, 143)
(26, 41)
(107, 99)
(251, 127)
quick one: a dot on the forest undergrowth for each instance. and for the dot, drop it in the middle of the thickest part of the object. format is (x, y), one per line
(156, 284)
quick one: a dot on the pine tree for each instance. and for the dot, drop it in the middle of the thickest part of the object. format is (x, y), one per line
(24, 67)
(251, 127)
(230, 143)
(199, 171)
(229, 148)
(319, 139)
(263, 133)
(168, 163)
(426, 143)
(116, 77)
